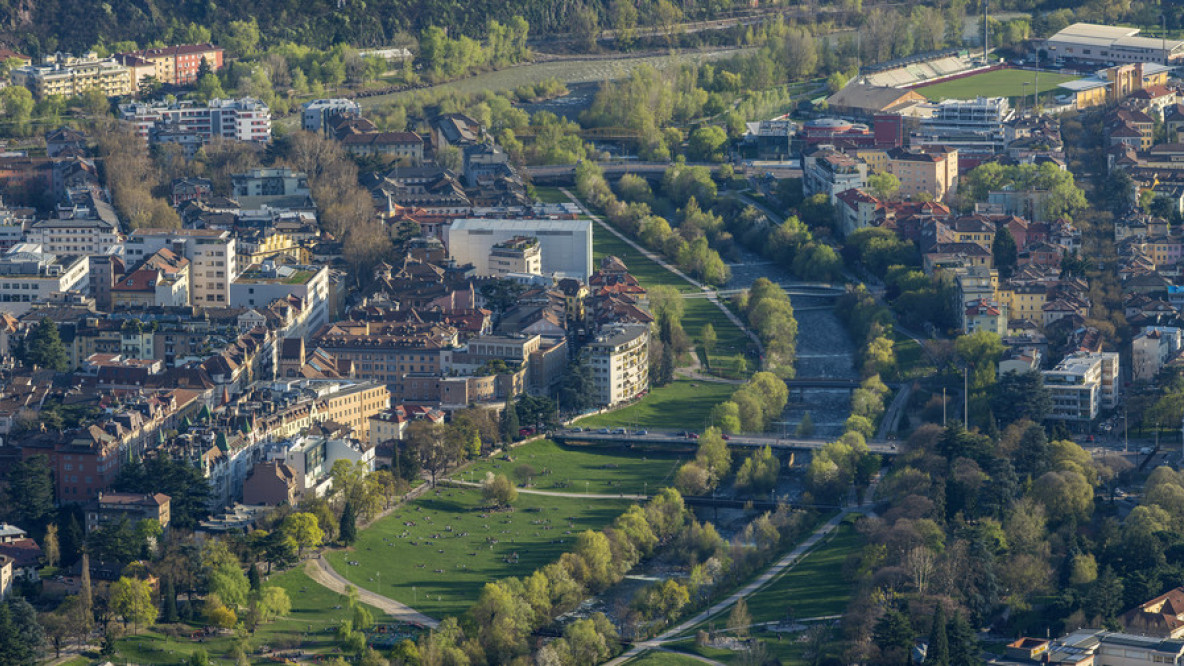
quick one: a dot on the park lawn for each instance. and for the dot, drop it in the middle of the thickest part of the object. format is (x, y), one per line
(730, 340)
(581, 468)
(999, 83)
(313, 606)
(660, 658)
(550, 195)
(680, 405)
(470, 557)
(647, 271)
(911, 361)
(815, 587)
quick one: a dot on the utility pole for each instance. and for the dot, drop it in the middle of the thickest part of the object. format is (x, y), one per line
(966, 397)
(943, 406)
(985, 40)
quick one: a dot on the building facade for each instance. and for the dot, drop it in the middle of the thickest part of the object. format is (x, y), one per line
(619, 361)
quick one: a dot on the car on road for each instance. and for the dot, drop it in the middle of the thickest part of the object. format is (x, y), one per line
(726, 437)
(525, 432)
(620, 431)
(577, 429)
(642, 432)
(1146, 451)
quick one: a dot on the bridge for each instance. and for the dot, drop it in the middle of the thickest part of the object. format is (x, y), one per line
(792, 288)
(627, 437)
(566, 173)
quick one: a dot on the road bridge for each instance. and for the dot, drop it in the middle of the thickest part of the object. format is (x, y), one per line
(627, 437)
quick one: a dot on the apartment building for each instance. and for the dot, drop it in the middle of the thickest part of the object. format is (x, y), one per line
(520, 254)
(176, 65)
(828, 171)
(162, 280)
(28, 274)
(65, 75)
(263, 283)
(402, 146)
(243, 119)
(1082, 384)
(389, 353)
(211, 254)
(930, 170)
(619, 360)
(87, 230)
(1151, 349)
(315, 113)
(974, 127)
(112, 508)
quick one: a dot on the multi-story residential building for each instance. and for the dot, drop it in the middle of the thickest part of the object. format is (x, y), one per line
(211, 254)
(1082, 384)
(619, 360)
(242, 119)
(263, 283)
(64, 75)
(177, 65)
(271, 483)
(565, 245)
(315, 114)
(400, 146)
(28, 274)
(827, 171)
(392, 424)
(255, 246)
(162, 280)
(929, 170)
(112, 508)
(1151, 349)
(389, 353)
(985, 315)
(87, 230)
(276, 182)
(517, 255)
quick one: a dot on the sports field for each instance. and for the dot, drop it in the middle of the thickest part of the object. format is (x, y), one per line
(999, 83)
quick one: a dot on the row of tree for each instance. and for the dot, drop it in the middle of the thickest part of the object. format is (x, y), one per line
(770, 314)
(753, 406)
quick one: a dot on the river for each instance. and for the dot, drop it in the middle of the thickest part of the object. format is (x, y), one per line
(824, 350)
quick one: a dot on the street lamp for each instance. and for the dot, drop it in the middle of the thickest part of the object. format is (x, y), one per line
(1024, 98)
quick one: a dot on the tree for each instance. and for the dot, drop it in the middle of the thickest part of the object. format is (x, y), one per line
(939, 648)
(274, 602)
(348, 532)
(304, 529)
(50, 547)
(508, 426)
(169, 595)
(44, 347)
(963, 642)
(499, 491)
(30, 489)
(183, 483)
(709, 339)
(1019, 396)
(980, 350)
(1005, 252)
(21, 637)
(131, 598)
(884, 186)
(759, 472)
(429, 440)
(805, 426)
(707, 144)
(739, 619)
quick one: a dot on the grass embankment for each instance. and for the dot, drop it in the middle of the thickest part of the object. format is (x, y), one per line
(439, 564)
(999, 83)
(911, 360)
(680, 405)
(648, 272)
(731, 341)
(659, 658)
(580, 469)
(316, 612)
(815, 587)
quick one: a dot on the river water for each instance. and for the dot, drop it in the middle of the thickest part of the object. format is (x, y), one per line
(825, 350)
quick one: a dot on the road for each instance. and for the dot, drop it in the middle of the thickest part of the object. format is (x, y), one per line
(881, 447)
(320, 571)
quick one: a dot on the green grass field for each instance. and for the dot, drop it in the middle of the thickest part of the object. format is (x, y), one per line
(313, 607)
(682, 404)
(647, 271)
(550, 195)
(476, 550)
(659, 658)
(813, 588)
(910, 357)
(730, 339)
(999, 83)
(581, 468)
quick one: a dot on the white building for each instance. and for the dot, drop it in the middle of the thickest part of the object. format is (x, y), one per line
(827, 171)
(1151, 349)
(312, 458)
(312, 119)
(5, 576)
(79, 230)
(211, 254)
(263, 283)
(244, 119)
(1082, 384)
(28, 274)
(620, 362)
(519, 255)
(565, 245)
(1108, 44)
(974, 127)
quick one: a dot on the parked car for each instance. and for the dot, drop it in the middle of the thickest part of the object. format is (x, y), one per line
(642, 432)
(726, 437)
(603, 431)
(1146, 450)
(525, 432)
(577, 429)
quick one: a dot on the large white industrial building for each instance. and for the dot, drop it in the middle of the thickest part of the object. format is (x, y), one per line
(565, 245)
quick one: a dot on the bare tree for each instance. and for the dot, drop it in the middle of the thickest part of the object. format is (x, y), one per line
(920, 564)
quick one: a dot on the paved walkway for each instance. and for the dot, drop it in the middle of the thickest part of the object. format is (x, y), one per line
(320, 571)
(791, 558)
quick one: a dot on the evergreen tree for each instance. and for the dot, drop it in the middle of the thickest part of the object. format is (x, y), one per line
(938, 653)
(44, 347)
(170, 601)
(806, 426)
(254, 578)
(72, 540)
(1005, 252)
(30, 490)
(963, 642)
(894, 636)
(509, 426)
(349, 524)
(665, 366)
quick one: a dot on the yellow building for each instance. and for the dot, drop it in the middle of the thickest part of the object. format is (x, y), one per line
(875, 158)
(931, 171)
(1024, 302)
(254, 248)
(67, 76)
(353, 407)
